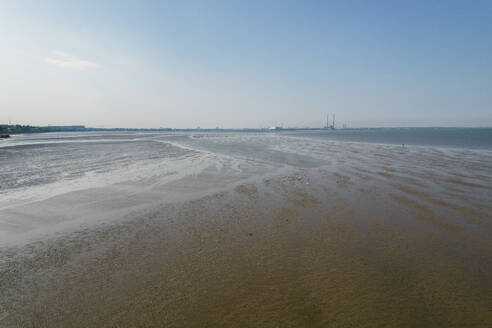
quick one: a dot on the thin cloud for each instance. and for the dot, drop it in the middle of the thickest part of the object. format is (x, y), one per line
(64, 60)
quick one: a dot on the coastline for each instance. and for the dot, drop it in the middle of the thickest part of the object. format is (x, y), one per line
(367, 239)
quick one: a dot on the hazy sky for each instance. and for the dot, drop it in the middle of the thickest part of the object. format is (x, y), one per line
(246, 63)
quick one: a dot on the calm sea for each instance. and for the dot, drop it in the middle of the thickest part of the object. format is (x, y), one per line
(470, 138)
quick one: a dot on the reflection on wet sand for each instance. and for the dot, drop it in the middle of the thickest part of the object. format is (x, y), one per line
(309, 247)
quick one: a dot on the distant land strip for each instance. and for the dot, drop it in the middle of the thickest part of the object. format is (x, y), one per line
(16, 129)
(9, 129)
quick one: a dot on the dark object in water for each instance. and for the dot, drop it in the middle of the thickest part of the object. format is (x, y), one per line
(4, 136)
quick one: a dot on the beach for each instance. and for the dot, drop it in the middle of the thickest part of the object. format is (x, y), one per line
(243, 230)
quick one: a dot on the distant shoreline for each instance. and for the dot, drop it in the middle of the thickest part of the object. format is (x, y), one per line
(6, 129)
(19, 129)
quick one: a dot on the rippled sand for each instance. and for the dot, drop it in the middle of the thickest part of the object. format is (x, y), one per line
(297, 234)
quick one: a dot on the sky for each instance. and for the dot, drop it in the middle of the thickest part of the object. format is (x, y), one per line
(235, 64)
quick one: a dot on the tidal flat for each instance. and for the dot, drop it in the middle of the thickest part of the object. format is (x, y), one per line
(240, 230)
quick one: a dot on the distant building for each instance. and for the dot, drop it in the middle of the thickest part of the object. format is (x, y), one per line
(328, 126)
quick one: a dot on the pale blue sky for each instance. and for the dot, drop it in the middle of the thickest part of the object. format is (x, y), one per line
(246, 63)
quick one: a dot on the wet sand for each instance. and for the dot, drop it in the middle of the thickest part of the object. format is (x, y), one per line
(311, 246)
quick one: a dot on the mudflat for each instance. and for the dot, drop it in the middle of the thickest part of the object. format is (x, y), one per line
(288, 237)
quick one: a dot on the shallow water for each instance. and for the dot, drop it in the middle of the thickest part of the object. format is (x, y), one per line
(242, 229)
(469, 138)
